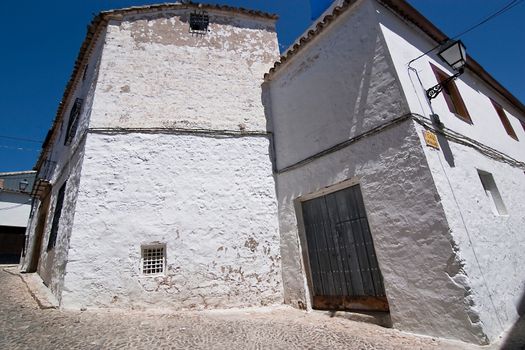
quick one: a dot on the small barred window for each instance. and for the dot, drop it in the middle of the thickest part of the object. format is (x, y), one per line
(199, 22)
(153, 259)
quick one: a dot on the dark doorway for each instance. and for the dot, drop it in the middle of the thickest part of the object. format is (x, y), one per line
(12, 241)
(344, 272)
(39, 234)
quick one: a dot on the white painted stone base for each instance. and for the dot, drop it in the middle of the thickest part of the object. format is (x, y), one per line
(210, 200)
(490, 246)
(415, 250)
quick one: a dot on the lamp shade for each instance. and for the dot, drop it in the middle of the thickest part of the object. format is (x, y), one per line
(454, 54)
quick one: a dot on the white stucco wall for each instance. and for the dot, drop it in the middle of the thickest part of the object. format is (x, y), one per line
(334, 89)
(53, 262)
(340, 85)
(67, 165)
(422, 274)
(208, 196)
(210, 200)
(405, 42)
(490, 246)
(14, 209)
(154, 73)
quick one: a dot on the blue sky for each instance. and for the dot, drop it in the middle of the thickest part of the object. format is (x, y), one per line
(40, 41)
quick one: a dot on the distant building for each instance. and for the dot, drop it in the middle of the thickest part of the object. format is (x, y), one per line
(15, 205)
(170, 178)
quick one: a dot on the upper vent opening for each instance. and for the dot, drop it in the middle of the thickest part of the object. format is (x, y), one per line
(199, 22)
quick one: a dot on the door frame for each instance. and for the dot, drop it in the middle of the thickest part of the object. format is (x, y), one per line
(330, 189)
(39, 232)
(303, 242)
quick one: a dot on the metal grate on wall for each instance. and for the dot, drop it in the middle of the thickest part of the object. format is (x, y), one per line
(199, 22)
(153, 259)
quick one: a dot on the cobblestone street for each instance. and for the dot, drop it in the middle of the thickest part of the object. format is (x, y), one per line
(23, 325)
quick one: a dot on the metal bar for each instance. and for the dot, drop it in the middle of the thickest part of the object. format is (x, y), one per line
(335, 257)
(341, 244)
(313, 253)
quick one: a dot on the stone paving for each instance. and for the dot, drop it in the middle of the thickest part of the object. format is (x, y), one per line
(23, 325)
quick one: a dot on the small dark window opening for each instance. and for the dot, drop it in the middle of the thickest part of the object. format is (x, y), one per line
(492, 192)
(199, 22)
(84, 74)
(504, 120)
(452, 97)
(56, 217)
(72, 125)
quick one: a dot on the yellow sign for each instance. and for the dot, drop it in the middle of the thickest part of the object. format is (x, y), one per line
(431, 139)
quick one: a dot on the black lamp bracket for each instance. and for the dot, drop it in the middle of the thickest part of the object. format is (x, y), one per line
(434, 91)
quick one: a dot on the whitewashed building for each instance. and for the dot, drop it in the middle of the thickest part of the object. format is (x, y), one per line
(15, 205)
(155, 183)
(372, 214)
(170, 178)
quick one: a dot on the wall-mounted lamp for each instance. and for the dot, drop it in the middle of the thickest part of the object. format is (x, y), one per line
(22, 185)
(454, 54)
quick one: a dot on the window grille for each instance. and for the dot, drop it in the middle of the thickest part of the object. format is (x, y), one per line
(56, 217)
(72, 125)
(153, 259)
(199, 22)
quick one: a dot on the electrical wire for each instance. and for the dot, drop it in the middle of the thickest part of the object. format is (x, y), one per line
(507, 7)
(19, 148)
(504, 9)
(188, 131)
(20, 139)
(426, 123)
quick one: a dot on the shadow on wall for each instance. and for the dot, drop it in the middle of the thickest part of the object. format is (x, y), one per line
(515, 338)
(320, 100)
(445, 148)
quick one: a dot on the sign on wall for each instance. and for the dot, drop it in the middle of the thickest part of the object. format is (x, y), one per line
(431, 139)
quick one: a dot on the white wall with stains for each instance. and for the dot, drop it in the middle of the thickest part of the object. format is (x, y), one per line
(210, 200)
(489, 245)
(155, 73)
(334, 89)
(65, 165)
(178, 154)
(341, 85)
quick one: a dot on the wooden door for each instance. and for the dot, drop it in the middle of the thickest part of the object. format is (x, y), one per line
(39, 234)
(344, 272)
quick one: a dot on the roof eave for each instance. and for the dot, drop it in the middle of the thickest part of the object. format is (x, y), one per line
(97, 24)
(409, 13)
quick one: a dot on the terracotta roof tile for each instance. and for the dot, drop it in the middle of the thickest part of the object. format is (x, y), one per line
(178, 5)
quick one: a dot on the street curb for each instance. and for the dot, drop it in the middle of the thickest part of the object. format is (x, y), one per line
(36, 288)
